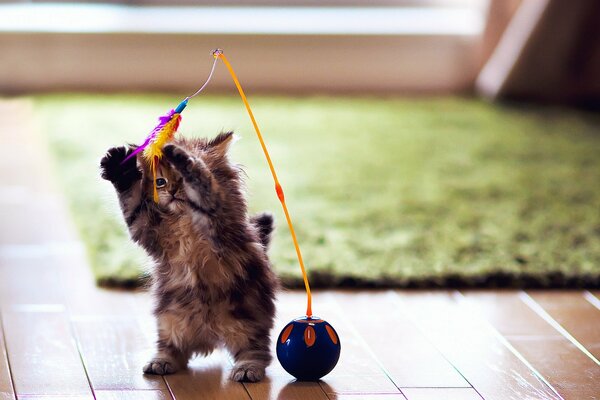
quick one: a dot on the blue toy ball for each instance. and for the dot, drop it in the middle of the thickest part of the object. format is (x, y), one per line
(308, 348)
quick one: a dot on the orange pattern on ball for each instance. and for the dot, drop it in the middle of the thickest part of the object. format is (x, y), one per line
(309, 336)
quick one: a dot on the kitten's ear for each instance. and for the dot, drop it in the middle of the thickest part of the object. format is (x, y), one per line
(221, 143)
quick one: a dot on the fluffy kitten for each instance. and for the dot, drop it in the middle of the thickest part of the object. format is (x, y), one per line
(212, 281)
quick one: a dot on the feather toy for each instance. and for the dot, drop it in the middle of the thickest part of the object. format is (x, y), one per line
(164, 132)
(160, 135)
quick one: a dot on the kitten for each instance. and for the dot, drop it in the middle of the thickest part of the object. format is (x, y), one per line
(212, 280)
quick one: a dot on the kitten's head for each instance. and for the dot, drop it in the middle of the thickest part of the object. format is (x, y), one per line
(169, 182)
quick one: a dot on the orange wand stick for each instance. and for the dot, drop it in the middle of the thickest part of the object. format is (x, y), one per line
(219, 54)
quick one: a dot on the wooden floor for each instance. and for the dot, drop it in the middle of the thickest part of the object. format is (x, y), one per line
(63, 338)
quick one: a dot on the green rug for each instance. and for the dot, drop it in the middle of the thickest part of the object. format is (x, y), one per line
(384, 192)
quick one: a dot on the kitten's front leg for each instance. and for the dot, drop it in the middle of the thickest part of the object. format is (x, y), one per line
(200, 186)
(125, 176)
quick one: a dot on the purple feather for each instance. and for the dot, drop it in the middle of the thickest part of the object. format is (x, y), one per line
(162, 121)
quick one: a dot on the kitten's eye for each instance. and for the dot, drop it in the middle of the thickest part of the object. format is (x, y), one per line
(161, 183)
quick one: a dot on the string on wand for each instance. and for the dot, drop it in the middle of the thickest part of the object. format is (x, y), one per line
(218, 54)
(167, 127)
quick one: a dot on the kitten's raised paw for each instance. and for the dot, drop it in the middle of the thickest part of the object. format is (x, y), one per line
(178, 157)
(112, 165)
(247, 373)
(160, 367)
(120, 173)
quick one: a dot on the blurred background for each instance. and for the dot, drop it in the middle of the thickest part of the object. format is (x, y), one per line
(542, 50)
(422, 142)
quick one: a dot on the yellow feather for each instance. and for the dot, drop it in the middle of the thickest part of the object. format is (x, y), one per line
(153, 152)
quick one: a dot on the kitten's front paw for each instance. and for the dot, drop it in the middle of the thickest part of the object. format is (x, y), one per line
(178, 157)
(248, 373)
(160, 367)
(113, 169)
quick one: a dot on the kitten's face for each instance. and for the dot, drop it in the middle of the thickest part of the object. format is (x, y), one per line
(169, 184)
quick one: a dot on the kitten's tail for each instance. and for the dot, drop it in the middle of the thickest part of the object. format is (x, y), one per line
(265, 224)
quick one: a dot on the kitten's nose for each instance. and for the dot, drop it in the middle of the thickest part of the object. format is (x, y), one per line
(172, 192)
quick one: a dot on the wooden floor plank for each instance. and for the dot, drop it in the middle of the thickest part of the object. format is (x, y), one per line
(358, 369)
(409, 358)
(43, 354)
(338, 382)
(206, 378)
(280, 388)
(593, 299)
(114, 351)
(52, 397)
(441, 394)
(18, 287)
(6, 386)
(47, 212)
(132, 395)
(575, 314)
(511, 317)
(473, 347)
(368, 396)
(85, 298)
(573, 374)
(108, 303)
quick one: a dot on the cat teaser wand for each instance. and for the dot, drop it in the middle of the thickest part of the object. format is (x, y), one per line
(307, 347)
(164, 133)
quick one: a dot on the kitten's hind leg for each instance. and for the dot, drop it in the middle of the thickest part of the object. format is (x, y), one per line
(252, 360)
(168, 360)
(173, 350)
